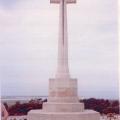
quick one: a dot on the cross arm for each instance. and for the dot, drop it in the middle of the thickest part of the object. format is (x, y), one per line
(67, 1)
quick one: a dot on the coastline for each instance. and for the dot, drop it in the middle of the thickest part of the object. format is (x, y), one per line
(11, 100)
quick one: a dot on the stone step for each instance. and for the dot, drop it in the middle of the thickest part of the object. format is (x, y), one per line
(63, 107)
(41, 115)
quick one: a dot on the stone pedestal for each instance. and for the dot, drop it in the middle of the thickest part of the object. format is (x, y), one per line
(63, 90)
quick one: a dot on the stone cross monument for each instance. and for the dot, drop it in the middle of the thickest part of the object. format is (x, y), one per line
(63, 102)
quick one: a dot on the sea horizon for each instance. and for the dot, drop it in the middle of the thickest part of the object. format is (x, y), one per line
(25, 97)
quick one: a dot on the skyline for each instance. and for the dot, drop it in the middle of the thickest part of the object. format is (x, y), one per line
(29, 36)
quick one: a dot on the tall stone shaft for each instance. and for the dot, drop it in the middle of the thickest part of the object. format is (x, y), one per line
(62, 68)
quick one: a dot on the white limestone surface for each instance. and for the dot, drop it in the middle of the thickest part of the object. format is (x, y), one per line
(41, 115)
(60, 107)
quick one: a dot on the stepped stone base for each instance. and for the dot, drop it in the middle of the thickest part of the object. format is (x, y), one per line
(63, 103)
(43, 115)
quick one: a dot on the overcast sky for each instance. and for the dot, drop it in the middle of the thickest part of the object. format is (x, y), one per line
(28, 46)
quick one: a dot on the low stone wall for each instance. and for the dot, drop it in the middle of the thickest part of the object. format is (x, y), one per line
(25, 118)
(17, 118)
